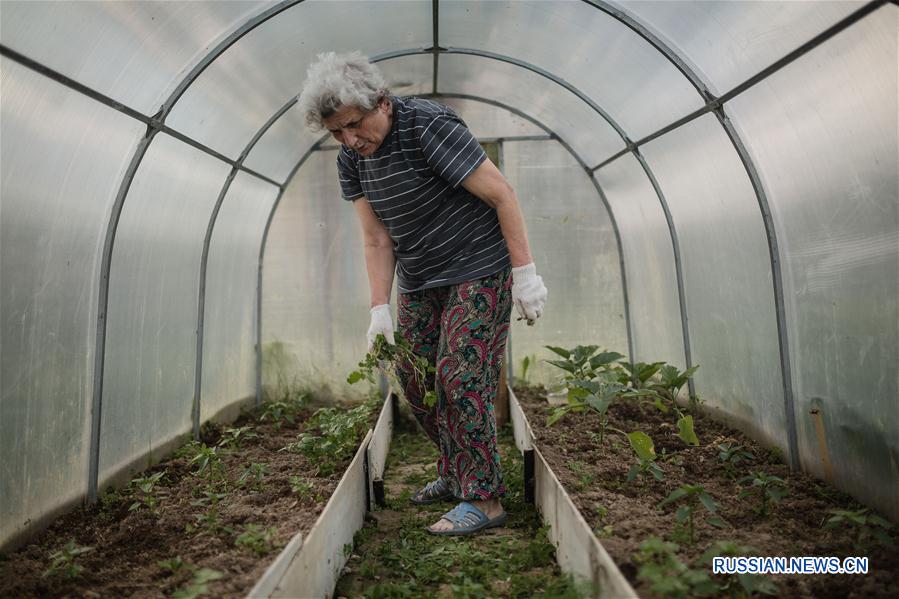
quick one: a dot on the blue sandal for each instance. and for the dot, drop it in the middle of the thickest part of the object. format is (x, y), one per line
(467, 519)
(433, 492)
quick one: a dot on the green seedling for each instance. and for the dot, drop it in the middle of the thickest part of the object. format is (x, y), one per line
(582, 363)
(174, 565)
(732, 455)
(339, 430)
(526, 363)
(209, 523)
(209, 498)
(390, 357)
(863, 525)
(302, 489)
(253, 475)
(62, 562)
(637, 374)
(580, 469)
(602, 530)
(769, 488)
(208, 462)
(145, 493)
(690, 496)
(666, 575)
(646, 455)
(199, 585)
(233, 438)
(278, 412)
(663, 395)
(737, 586)
(257, 539)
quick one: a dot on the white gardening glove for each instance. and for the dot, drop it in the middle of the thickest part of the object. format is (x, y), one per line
(528, 292)
(382, 323)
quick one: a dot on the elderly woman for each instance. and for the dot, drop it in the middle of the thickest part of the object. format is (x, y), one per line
(440, 215)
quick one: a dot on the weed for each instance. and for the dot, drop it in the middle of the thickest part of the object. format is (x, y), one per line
(737, 585)
(174, 565)
(254, 473)
(393, 356)
(340, 430)
(769, 488)
(667, 575)
(63, 561)
(864, 526)
(198, 585)
(732, 455)
(233, 438)
(602, 530)
(144, 492)
(302, 489)
(208, 462)
(281, 411)
(257, 539)
(690, 496)
(580, 469)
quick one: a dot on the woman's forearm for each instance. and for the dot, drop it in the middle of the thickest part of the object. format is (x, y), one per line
(511, 223)
(380, 264)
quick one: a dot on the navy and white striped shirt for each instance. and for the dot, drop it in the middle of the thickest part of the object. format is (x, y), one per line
(443, 234)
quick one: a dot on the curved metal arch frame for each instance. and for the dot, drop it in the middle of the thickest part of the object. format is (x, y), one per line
(491, 102)
(155, 124)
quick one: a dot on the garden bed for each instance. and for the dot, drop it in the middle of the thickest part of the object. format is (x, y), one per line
(210, 519)
(625, 514)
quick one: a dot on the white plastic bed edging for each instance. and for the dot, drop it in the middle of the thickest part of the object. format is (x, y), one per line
(310, 566)
(577, 549)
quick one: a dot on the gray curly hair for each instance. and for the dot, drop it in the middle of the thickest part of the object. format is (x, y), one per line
(337, 80)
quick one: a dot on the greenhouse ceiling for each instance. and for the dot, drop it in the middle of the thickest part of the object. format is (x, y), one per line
(726, 174)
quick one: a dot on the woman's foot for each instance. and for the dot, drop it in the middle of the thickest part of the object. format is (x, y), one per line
(492, 508)
(438, 490)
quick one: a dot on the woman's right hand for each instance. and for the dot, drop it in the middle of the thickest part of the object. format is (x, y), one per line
(381, 323)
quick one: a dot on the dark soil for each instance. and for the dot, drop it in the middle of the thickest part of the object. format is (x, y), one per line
(127, 546)
(595, 474)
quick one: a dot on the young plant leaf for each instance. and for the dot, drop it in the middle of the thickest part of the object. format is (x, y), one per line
(642, 445)
(559, 351)
(685, 430)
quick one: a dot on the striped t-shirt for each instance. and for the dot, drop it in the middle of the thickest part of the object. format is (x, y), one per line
(443, 234)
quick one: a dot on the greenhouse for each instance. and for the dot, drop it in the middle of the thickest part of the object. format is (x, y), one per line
(710, 191)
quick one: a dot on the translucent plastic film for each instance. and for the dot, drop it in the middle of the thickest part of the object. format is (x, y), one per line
(486, 121)
(731, 41)
(589, 135)
(823, 132)
(151, 343)
(315, 295)
(584, 46)
(229, 324)
(574, 248)
(648, 260)
(242, 89)
(63, 157)
(134, 52)
(727, 275)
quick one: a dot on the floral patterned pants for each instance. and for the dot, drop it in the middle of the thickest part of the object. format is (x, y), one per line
(461, 329)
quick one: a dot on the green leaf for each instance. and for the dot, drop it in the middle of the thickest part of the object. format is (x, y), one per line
(675, 495)
(707, 501)
(557, 413)
(558, 350)
(566, 366)
(718, 521)
(430, 399)
(600, 404)
(582, 353)
(355, 377)
(683, 512)
(685, 430)
(604, 358)
(642, 445)
(632, 473)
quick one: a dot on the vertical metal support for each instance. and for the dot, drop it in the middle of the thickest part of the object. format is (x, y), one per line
(366, 470)
(510, 367)
(777, 280)
(201, 302)
(529, 482)
(93, 473)
(435, 44)
(678, 267)
(621, 263)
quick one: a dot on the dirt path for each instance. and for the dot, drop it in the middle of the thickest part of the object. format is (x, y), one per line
(395, 557)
